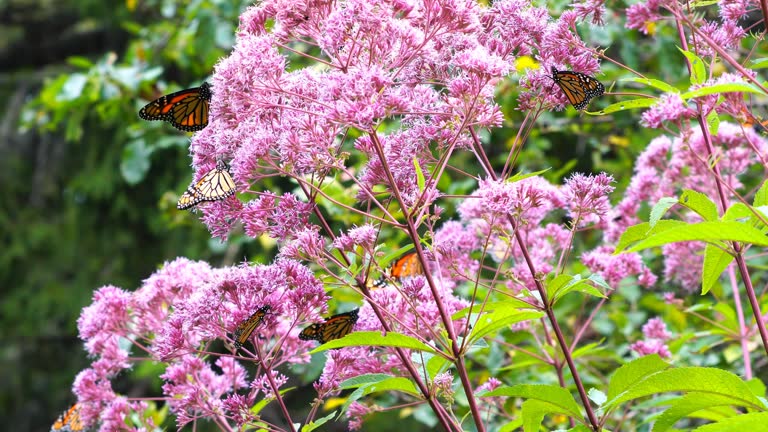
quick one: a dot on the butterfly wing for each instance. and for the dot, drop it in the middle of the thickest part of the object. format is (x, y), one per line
(215, 185)
(338, 326)
(186, 110)
(246, 328)
(407, 266)
(69, 421)
(578, 87)
(334, 327)
(311, 333)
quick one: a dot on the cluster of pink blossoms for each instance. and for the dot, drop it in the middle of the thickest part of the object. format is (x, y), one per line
(656, 334)
(176, 316)
(409, 79)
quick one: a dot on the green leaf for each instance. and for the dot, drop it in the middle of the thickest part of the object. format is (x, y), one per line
(564, 284)
(502, 317)
(373, 385)
(716, 260)
(691, 379)
(661, 85)
(520, 176)
(509, 302)
(686, 405)
(761, 197)
(360, 380)
(698, 71)
(642, 230)
(660, 209)
(699, 203)
(73, 88)
(393, 384)
(738, 211)
(597, 396)
(760, 63)
(713, 122)
(629, 374)
(375, 338)
(711, 232)
(419, 174)
(534, 412)
(722, 88)
(317, 423)
(628, 105)
(135, 161)
(745, 422)
(436, 365)
(554, 395)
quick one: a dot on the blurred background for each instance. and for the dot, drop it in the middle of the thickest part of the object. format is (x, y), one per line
(89, 190)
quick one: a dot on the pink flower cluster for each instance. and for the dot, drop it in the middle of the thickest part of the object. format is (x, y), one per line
(669, 165)
(176, 316)
(656, 334)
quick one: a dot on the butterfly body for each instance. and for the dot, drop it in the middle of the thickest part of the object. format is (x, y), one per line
(245, 329)
(215, 185)
(334, 327)
(186, 110)
(69, 421)
(579, 88)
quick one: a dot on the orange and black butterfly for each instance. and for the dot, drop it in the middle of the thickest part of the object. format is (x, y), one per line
(334, 327)
(578, 87)
(245, 329)
(69, 421)
(406, 266)
(215, 185)
(186, 110)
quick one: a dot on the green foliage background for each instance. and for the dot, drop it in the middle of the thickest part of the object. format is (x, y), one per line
(89, 189)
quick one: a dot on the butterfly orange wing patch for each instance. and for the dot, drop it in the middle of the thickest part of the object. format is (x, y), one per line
(335, 327)
(245, 329)
(579, 88)
(186, 110)
(69, 421)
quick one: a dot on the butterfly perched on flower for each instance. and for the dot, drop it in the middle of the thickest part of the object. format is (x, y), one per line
(215, 185)
(245, 329)
(69, 421)
(334, 327)
(578, 87)
(406, 266)
(186, 110)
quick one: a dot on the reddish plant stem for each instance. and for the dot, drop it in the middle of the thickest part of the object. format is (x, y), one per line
(445, 317)
(743, 332)
(548, 310)
(436, 407)
(275, 391)
(738, 252)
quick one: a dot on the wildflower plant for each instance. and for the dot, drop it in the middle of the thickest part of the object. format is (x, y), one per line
(366, 112)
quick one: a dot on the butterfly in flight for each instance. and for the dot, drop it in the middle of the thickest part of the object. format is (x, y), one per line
(406, 266)
(334, 327)
(578, 87)
(215, 185)
(69, 421)
(245, 329)
(186, 110)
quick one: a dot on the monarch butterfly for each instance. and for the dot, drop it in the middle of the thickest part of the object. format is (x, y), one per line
(407, 265)
(215, 185)
(244, 330)
(69, 421)
(578, 87)
(334, 327)
(186, 110)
